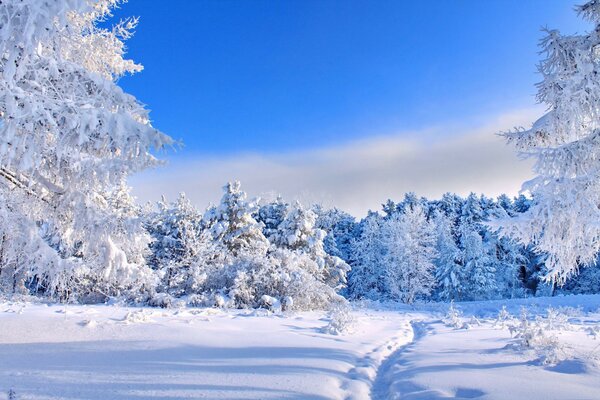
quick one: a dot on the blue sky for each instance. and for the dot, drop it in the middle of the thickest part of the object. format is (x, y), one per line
(274, 77)
(268, 75)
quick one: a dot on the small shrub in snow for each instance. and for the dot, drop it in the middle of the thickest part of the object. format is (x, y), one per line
(474, 321)
(502, 318)
(12, 395)
(531, 335)
(139, 316)
(271, 303)
(341, 319)
(453, 317)
(556, 320)
(593, 331)
(163, 300)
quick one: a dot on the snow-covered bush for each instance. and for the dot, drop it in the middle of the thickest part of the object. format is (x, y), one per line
(503, 318)
(534, 336)
(453, 317)
(341, 320)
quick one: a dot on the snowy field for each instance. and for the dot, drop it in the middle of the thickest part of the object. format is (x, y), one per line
(114, 352)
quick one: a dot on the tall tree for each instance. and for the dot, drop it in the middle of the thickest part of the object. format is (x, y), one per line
(564, 219)
(68, 137)
(410, 254)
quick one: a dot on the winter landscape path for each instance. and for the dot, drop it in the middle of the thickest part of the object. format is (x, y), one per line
(480, 359)
(113, 352)
(107, 352)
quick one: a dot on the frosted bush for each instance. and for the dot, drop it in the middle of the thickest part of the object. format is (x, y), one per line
(341, 320)
(271, 303)
(532, 335)
(453, 317)
(593, 331)
(556, 320)
(503, 318)
(134, 317)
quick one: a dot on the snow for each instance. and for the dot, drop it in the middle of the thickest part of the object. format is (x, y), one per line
(50, 351)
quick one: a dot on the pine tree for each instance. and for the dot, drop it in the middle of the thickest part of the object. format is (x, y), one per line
(340, 228)
(410, 244)
(365, 279)
(562, 220)
(298, 232)
(449, 271)
(271, 215)
(232, 223)
(477, 263)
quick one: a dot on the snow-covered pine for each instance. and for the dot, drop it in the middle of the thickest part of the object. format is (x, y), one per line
(340, 228)
(365, 279)
(410, 253)
(182, 252)
(271, 214)
(564, 219)
(68, 137)
(232, 223)
(298, 232)
(449, 271)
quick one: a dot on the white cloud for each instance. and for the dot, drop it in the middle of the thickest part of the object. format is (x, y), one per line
(359, 175)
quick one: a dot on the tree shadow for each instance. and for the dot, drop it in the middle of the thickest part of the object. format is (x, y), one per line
(127, 370)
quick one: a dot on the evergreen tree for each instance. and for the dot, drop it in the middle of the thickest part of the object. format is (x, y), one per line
(449, 271)
(365, 279)
(562, 221)
(340, 228)
(410, 253)
(271, 215)
(232, 224)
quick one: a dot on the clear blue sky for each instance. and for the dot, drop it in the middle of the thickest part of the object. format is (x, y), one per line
(268, 76)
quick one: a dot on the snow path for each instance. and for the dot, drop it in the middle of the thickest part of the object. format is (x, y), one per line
(107, 352)
(117, 353)
(478, 363)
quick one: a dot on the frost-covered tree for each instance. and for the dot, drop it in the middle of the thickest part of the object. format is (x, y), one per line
(365, 279)
(271, 214)
(340, 228)
(181, 249)
(293, 270)
(69, 136)
(232, 223)
(479, 268)
(478, 264)
(563, 220)
(410, 253)
(449, 271)
(298, 232)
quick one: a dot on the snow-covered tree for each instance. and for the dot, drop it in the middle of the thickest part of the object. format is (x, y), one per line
(410, 253)
(298, 232)
(564, 219)
(181, 248)
(69, 136)
(271, 214)
(232, 223)
(479, 268)
(365, 279)
(340, 228)
(449, 271)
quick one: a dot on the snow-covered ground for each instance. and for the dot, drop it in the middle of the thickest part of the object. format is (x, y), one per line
(113, 352)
